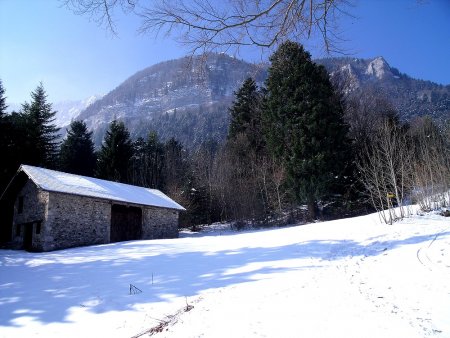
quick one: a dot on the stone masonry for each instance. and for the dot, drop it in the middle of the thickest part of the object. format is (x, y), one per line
(32, 212)
(60, 220)
(159, 223)
(76, 221)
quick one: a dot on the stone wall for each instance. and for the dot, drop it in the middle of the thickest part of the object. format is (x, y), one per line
(30, 216)
(76, 221)
(159, 223)
(50, 221)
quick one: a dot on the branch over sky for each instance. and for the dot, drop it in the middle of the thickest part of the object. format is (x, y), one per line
(207, 25)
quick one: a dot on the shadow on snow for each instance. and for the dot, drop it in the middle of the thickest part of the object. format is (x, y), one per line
(48, 287)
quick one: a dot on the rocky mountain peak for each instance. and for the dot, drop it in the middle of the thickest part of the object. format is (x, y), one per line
(348, 76)
(378, 68)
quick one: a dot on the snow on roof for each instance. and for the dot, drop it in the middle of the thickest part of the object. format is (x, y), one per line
(51, 180)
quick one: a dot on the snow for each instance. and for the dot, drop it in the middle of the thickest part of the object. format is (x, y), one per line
(69, 110)
(346, 278)
(378, 68)
(51, 180)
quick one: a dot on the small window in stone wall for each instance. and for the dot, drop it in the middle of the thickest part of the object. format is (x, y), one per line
(20, 206)
(38, 227)
(18, 226)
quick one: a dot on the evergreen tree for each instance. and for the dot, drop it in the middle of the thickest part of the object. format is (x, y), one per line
(244, 154)
(243, 114)
(304, 123)
(138, 166)
(147, 163)
(175, 164)
(177, 175)
(77, 154)
(6, 164)
(41, 135)
(3, 105)
(115, 154)
(155, 155)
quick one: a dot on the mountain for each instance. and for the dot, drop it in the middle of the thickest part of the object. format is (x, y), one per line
(182, 98)
(66, 111)
(411, 97)
(188, 98)
(69, 110)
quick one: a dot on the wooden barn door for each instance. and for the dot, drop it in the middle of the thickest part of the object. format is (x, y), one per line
(126, 223)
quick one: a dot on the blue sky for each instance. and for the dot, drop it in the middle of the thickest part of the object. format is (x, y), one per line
(75, 58)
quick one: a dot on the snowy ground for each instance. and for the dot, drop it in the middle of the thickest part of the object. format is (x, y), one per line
(346, 278)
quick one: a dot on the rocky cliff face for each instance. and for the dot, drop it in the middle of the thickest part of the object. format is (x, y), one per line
(411, 97)
(379, 68)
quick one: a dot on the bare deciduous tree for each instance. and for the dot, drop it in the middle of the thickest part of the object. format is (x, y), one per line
(209, 25)
(431, 165)
(385, 170)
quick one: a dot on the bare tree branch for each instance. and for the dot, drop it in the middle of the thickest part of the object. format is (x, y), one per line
(210, 25)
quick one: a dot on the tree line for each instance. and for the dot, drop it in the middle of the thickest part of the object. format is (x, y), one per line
(295, 149)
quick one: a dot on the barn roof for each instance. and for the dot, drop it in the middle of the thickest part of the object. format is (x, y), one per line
(56, 181)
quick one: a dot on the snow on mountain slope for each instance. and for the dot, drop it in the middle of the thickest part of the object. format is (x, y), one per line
(185, 84)
(346, 278)
(66, 111)
(379, 68)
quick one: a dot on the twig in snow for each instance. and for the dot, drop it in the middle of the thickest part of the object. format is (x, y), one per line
(134, 290)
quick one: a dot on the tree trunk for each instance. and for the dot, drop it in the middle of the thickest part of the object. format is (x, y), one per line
(312, 208)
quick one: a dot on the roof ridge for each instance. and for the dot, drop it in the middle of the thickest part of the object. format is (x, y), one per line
(58, 181)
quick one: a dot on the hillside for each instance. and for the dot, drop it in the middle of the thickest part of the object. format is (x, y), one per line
(172, 89)
(71, 109)
(411, 97)
(346, 278)
(189, 98)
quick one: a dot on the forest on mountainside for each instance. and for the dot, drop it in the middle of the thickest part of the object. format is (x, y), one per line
(189, 100)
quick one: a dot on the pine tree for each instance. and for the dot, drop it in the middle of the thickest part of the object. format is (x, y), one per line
(6, 164)
(115, 153)
(41, 135)
(3, 105)
(176, 172)
(304, 123)
(138, 166)
(243, 155)
(242, 108)
(175, 164)
(77, 154)
(154, 150)
(147, 163)
(245, 115)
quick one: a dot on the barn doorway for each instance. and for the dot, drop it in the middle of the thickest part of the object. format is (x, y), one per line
(126, 223)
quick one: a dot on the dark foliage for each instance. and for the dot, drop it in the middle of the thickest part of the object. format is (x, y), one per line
(8, 164)
(115, 154)
(304, 124)
(147, 162)
(77, 154)
(41, 135)
(27, 137)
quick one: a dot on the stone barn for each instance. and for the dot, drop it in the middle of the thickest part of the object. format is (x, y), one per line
(52, 210)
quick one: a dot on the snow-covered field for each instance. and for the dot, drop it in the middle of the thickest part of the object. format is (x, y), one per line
(347, 278)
